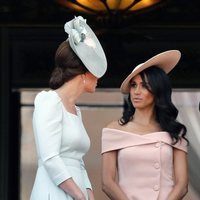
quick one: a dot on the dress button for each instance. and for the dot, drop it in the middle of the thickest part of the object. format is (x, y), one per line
(157, 144)
(156, 187)
(157, 165)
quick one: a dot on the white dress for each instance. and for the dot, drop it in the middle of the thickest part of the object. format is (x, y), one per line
(61, 142)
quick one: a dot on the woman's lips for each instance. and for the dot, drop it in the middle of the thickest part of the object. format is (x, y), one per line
(137, 99)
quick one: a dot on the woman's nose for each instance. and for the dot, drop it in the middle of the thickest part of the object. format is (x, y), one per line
(137, 89)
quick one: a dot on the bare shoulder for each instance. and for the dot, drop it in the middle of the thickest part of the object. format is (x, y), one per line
(113, 124)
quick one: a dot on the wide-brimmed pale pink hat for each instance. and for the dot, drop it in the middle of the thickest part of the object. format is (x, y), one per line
(166, 61)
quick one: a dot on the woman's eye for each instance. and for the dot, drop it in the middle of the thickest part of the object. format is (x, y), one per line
(133, 85)
(146, 86)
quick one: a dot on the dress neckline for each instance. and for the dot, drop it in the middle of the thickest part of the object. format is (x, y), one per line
(132, 133)
(72, 114)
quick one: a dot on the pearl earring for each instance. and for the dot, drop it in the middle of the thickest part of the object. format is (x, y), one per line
(84, 81)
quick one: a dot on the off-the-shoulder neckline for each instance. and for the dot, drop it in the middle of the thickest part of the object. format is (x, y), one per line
(132, 133)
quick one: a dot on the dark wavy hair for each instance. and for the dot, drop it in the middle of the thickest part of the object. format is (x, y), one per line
(165, 110)
(67, 66)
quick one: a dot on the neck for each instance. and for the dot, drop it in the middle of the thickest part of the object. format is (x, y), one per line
(144, 117)
(70, 91)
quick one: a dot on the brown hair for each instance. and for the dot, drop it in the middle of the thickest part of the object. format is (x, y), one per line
(67, 66)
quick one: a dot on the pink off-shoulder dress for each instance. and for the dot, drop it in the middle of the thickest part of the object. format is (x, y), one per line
(145, 162)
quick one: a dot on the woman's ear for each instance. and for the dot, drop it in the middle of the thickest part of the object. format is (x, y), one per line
(83, 76)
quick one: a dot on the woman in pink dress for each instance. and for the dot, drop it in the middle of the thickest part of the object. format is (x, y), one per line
(144, 154)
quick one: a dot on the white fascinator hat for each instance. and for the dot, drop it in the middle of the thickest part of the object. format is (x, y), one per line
(86, 46)
(166, 61)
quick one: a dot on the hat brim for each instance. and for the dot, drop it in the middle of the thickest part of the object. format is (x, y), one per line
(166, 61)
(90, 52)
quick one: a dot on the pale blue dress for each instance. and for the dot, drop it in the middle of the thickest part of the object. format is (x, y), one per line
(61, 142)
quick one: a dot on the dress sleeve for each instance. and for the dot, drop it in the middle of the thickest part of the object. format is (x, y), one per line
(113, 140)
(47, 124)
(181, 145)
(110, 141)
(86, 178)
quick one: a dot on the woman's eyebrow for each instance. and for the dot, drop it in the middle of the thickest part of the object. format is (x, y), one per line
(141, 82)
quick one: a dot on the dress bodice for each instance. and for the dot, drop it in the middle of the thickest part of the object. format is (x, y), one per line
(145, 162)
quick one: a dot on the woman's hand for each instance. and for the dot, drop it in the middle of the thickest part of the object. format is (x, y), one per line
(90, 194)
(70, 187)
(80, 197)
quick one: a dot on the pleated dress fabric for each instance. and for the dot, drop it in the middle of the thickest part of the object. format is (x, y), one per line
(61, 142)
(145, 162)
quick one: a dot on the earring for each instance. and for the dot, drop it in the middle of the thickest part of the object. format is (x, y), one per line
(84, 81)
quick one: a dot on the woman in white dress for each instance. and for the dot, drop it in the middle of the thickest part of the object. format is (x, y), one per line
(60, 136)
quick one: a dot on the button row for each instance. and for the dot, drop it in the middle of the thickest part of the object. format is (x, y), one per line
(158, 144)
(157, 165)
(156, 187)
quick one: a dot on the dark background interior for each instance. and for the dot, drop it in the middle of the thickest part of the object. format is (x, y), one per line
(31, 31)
